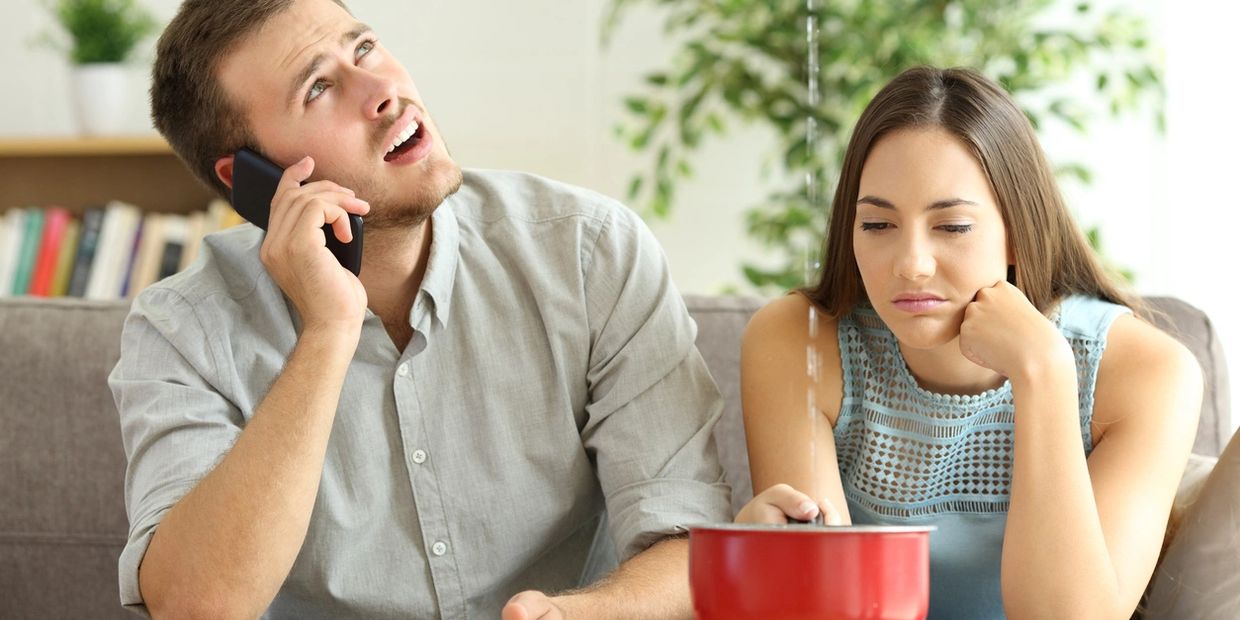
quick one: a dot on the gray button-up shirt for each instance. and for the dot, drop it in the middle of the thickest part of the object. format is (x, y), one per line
(550, 413)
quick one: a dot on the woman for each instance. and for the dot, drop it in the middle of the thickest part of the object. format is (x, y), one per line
(971, 367)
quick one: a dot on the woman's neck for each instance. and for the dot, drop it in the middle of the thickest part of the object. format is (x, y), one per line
(945, 370)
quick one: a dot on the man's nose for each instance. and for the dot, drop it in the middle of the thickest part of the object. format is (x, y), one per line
(382, 98)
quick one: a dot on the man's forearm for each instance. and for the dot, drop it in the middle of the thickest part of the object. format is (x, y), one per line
(652, 584)
(226, 547)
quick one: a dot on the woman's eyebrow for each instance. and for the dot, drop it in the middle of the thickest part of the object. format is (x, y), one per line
(883, 203)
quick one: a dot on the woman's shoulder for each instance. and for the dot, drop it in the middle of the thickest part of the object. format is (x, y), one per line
(1144, 371)
(790, 320)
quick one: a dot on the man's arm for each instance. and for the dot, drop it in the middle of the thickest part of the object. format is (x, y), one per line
(224, 549)
(651, 584)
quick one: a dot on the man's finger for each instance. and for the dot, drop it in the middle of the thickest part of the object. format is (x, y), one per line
(295, 174)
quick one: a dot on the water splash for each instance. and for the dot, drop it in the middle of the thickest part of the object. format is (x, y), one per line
(812, 358)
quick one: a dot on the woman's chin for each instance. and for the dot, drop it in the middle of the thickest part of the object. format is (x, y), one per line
(923, 332)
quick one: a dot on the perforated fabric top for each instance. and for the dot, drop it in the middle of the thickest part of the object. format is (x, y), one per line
(911, 456)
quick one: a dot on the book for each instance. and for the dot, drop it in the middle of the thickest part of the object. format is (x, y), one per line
(128, 259)
(112, 251)
(64, 259)
(193, 239)
(146, 264)
(11, 227)
(55, 219)
(32, 233)
(176, 227)
(88, 242)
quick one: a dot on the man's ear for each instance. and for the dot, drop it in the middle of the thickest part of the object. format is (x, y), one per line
(224, 169)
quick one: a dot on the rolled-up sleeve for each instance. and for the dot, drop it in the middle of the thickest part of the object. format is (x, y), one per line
(652, 402)
(175, 423)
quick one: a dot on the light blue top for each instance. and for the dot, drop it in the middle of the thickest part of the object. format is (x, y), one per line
(908, 456)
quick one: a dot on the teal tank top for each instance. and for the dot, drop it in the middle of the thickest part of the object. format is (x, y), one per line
(908, 456)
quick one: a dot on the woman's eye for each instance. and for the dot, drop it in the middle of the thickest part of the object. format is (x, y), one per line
(874, 225)
(316, 89)
(956, 229)
(364, 48)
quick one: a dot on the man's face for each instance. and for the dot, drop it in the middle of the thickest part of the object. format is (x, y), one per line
(314, 81)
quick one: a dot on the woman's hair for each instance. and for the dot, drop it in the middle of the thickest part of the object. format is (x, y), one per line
(188, 103)
(1053, 259)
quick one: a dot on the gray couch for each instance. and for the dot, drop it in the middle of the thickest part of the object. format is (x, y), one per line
(62, 516)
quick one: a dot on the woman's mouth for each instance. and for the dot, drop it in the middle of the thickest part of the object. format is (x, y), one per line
(917, 304)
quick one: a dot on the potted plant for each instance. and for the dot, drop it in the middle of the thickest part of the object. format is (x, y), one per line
(750, 62)
(102, 35)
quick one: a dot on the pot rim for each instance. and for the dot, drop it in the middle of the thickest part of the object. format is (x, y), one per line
(811, 528)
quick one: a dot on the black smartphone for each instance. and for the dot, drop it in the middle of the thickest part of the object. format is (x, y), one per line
(255, 180)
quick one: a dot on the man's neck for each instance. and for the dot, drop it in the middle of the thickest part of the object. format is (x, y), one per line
(394, 262)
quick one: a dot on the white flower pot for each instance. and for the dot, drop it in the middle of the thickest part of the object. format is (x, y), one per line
(100, 95)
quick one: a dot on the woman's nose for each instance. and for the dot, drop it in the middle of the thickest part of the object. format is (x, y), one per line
(914, 260)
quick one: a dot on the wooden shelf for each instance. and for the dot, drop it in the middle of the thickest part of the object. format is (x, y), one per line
(79, 173)
(76, 147)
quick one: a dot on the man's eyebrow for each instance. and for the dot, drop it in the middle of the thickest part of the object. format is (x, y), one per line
(312, 67)
(883, 203)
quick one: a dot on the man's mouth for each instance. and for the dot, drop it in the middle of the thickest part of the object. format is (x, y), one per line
(408, 138)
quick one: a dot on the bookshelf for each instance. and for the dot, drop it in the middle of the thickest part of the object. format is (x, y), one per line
(77, 173)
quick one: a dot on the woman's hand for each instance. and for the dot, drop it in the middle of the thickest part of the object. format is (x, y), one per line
(1004, 332)
(781, 502)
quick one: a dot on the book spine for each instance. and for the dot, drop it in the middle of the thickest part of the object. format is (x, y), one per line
(54, 221)
(92, 222)
(10, 246)
(64, 258)
(32, 233)
(129, 258)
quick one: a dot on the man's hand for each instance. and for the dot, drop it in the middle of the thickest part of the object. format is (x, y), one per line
(532, 605)
(295, 251)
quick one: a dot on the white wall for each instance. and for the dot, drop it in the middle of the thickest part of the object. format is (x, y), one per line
(525, 85)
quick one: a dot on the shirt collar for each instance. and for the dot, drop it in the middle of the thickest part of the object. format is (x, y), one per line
(441, 264)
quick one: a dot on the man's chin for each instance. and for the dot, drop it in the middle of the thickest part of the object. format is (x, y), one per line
(420, 202)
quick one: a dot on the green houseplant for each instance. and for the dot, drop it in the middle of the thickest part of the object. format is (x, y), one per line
(747, 61)
(101, 36)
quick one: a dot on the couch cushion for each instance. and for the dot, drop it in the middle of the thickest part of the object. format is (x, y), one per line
(1193, 328)
(1199, 576)
(62, 467)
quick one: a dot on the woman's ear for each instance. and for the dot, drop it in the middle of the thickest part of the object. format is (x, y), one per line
(224, 169)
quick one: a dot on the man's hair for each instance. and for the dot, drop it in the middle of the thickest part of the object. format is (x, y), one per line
(188, 104)
(1053, 259)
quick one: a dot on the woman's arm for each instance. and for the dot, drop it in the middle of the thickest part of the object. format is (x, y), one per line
(787, 445)
(1082, 537)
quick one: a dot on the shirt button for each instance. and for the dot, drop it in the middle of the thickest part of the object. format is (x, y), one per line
(439, 548)
(403, 369)
(419, 456)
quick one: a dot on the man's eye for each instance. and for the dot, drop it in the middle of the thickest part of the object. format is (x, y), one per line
(874, 225)
(316, 89)
(364, 48)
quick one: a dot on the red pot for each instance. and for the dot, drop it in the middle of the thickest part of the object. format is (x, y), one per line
(810, 571)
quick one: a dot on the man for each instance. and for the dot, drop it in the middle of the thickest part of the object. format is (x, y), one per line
(442, 437)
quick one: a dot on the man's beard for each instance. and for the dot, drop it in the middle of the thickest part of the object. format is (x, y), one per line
(411, 208)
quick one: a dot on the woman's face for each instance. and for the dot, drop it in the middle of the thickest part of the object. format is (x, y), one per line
(927, 234)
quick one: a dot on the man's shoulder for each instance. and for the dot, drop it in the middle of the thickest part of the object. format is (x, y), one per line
(227, 266)
(494, 195)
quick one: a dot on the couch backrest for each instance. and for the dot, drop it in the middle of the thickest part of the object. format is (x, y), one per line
(62, 520)
(62, 467)
(721, 320)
